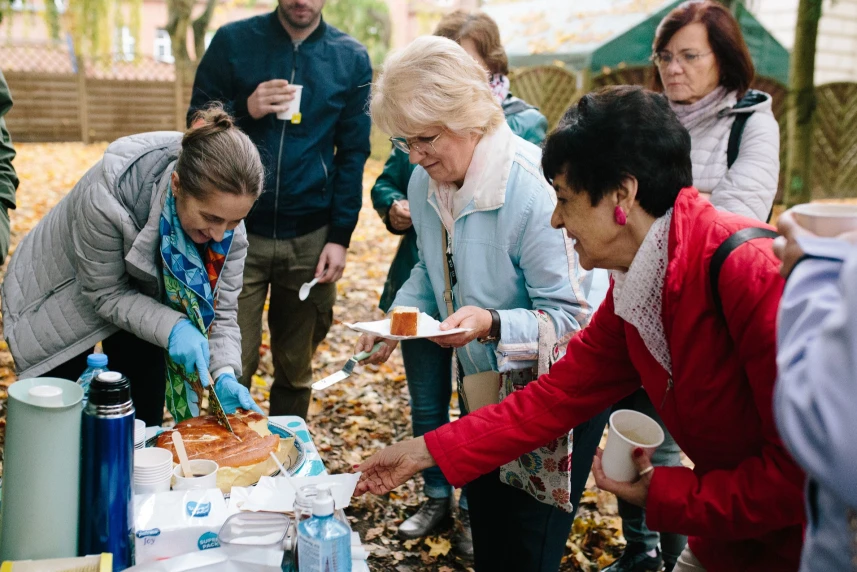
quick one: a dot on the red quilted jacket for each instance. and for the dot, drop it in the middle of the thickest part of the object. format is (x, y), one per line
(742, 504)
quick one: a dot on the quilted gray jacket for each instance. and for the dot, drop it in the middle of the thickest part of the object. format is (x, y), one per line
(747, 188)
(92, 266)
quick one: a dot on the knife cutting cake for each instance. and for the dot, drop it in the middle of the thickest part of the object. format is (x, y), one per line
(404, 321)
(243, 457)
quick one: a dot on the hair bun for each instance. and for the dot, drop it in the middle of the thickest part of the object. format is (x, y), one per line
(211, 120)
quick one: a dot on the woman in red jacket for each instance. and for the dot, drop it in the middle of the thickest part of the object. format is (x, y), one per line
(620, 163)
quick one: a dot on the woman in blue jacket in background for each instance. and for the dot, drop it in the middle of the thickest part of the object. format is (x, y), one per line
(426, 363)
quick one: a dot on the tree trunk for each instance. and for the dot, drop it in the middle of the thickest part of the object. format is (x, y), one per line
(801, 104)
(200, 27)
(177, 24)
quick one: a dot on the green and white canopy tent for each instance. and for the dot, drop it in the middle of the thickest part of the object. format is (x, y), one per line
(600, 35)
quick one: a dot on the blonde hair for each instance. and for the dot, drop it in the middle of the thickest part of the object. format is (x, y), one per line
(433, 82)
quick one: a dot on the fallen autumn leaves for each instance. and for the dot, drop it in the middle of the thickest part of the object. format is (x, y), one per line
(350, 420)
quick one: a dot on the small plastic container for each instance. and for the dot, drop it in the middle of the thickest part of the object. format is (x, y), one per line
(255, 529)
(303, 506)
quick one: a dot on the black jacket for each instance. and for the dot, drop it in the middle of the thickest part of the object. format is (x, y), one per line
(314, 169)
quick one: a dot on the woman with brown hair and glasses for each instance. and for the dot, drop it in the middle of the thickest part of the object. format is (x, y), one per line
(704, 68)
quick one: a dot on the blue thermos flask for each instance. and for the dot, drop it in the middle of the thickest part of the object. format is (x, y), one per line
(106, 470)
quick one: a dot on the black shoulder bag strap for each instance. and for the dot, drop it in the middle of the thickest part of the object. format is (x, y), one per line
(722, 253)
(735, 135)
(751, 98)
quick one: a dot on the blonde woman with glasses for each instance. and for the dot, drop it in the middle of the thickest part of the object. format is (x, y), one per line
(489, 262)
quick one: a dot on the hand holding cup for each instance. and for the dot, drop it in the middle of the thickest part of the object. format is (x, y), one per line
(274, 96)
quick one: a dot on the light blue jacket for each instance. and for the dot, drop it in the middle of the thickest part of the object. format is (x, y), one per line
(506, 257)
(816, 396)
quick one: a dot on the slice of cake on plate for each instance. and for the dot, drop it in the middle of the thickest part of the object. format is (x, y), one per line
(404, 321)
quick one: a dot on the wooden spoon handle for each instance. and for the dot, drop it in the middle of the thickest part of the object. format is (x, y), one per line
(180, 451)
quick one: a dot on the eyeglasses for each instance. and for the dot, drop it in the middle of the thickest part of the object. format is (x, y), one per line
(405, 146)
(664, 59)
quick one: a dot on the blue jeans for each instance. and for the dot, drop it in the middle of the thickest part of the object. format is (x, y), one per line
(633, 517)
(428, 368)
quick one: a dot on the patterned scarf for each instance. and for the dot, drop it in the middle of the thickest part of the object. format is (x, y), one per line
(499, 86)
(190, 285)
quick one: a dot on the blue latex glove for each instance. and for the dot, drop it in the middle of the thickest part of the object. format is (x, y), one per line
(189, 348)
(233, 395)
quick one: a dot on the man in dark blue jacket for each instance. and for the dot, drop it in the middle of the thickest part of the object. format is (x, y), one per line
(301, 226)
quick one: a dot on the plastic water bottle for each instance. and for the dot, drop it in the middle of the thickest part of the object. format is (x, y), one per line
(95, 364)
(324, 543)
(106, 469)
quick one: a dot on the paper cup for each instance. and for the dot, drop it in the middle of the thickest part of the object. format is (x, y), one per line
(826, 219)
(294, 105)
(206, 479)
(152, 458)
(139, 432)
(628, 430)
(162, 486)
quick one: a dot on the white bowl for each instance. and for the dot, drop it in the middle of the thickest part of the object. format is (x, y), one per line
(826, 219)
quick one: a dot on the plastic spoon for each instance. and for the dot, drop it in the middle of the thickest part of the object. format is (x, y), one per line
(180, 451)
(303, 293)
(283, 472)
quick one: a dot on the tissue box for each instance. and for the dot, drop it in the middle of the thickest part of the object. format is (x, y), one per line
(177, 522)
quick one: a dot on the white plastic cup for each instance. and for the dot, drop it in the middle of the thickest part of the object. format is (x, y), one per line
(294, 105)
(152, 458)
(826, 219)
(139, 432)
(628, 430)
(207, 479)
(162, 486)
(153, 468)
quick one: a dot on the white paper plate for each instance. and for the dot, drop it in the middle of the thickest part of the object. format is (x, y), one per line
(427, 327)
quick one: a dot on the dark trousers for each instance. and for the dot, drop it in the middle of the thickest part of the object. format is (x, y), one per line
(297, 327)
(514, 531)
(141, 362)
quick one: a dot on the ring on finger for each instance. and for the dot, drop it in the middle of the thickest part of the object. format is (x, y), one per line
(646, 471)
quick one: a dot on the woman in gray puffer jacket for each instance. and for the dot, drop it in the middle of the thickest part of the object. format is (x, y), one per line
(705, 71)
(145, 254)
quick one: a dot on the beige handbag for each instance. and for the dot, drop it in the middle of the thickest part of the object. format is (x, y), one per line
(479, 389)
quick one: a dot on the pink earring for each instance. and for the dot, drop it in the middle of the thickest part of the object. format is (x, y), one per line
(620, 217)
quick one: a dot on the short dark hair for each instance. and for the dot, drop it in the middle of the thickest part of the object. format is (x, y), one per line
(483, 30)
(617, 132)
(724, 35)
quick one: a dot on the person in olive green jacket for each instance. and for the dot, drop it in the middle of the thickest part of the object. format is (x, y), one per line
(8, 177)
(429, 381)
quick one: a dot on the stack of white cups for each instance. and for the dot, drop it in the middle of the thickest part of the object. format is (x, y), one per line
(139, 433)
(153, 468)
